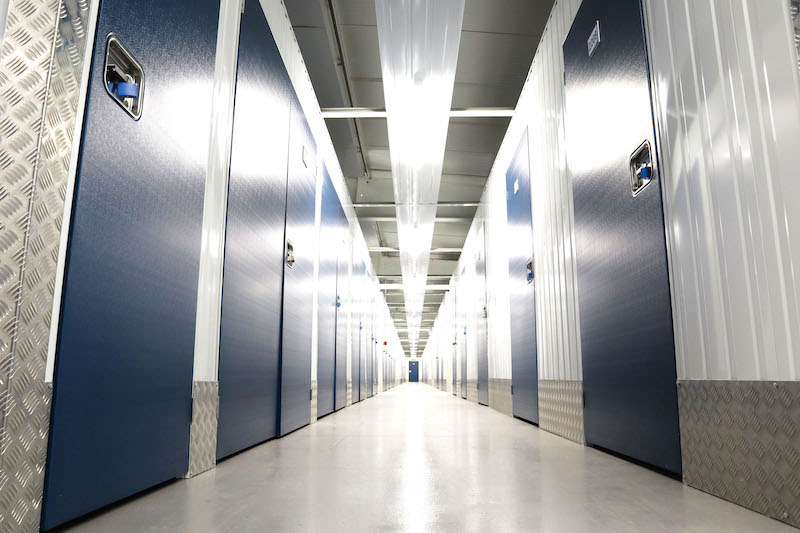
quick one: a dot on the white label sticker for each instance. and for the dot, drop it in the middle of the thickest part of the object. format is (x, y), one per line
(516, 186)
(594, 38)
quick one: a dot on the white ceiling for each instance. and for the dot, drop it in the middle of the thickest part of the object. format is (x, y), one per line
(498, 42)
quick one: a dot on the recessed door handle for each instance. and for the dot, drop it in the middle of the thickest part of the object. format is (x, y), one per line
(123, 77)
(641, 168)
(289, 254)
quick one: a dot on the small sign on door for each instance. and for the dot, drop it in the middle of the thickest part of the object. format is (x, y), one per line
(594, 38)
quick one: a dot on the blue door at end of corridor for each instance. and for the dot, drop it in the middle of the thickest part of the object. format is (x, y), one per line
(413, 371)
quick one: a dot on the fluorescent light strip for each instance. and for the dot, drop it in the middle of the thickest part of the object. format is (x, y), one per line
(419, 42)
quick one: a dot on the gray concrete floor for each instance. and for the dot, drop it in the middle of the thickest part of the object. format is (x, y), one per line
(418, 459)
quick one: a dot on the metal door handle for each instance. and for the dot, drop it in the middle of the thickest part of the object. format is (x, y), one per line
(641, 168)
(123, 77)
(529, 268)
(289, 254)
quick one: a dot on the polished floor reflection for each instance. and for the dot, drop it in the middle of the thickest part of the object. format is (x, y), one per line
(418, 459)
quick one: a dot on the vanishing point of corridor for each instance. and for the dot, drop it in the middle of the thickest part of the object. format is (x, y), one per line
(418, 459)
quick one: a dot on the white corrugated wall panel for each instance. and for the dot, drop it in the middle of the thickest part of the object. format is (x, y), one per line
(497, 280)
(491, 214)
(468, 286)
(440, 344)
(447, 328)
(727, 101)
(541, 105)
(540, 110)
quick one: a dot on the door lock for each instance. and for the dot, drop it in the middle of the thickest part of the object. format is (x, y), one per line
(641, 168)
(289, 254)
(529, 269)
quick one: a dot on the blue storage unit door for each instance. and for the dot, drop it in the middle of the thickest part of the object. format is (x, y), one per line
(364, 335)
(300, 249)
(357, 332)
(330, 243)
(481, 325)
(123, 371)
(366, 369)
(461, 331)
(525, 379)
(413, 371)
(342, 290)
(370, 359)
(249, 346)
(454, 348)
(629, 374)
(362, 354)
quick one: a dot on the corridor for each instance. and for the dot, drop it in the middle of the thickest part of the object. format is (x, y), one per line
(418, 459)
(250, 249)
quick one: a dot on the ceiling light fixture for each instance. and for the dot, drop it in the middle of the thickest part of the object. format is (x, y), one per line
(419, 42)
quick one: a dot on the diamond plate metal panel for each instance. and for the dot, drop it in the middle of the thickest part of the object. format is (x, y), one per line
(40, 80)
(500, 398)
(472, 390)
(740, 441)
(203, 432)
(24, 69)
(561, 408)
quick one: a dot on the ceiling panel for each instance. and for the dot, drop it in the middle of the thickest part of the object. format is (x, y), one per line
(494, 58)
(356, 12)
(468, 163)
(367, 92)
(344, 142)
(360, 46)
(524, 17)
(375, 132)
